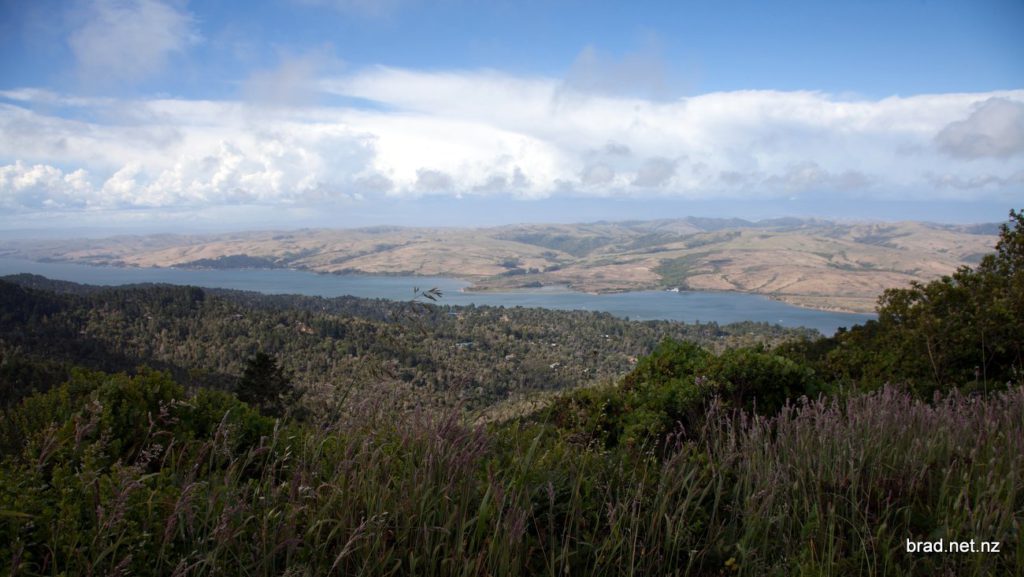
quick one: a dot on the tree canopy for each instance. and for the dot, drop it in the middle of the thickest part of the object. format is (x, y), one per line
(964, 330)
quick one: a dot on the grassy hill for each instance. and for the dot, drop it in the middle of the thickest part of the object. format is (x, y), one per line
(812, 263)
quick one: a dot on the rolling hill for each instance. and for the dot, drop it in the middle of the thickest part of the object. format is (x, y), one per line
(813, 263)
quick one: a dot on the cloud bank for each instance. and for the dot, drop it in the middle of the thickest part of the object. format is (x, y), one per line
(406, 133)
(995, 128)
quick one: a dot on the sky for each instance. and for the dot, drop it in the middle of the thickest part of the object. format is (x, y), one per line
(164, 115)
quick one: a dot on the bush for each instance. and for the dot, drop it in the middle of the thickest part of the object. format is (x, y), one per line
(669, 392)
(759, 381)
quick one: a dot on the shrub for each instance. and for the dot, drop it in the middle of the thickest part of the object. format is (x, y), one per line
(671, 389)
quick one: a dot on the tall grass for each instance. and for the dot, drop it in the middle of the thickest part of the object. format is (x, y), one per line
(825, 488)
(838, 488)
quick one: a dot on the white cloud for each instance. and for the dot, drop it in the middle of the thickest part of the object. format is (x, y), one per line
(995, 128)
(125, 41)
(42, 187)
(488, 133)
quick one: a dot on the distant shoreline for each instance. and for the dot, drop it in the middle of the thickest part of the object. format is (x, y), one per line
(812, 264)
(472, 286)
(722, 307)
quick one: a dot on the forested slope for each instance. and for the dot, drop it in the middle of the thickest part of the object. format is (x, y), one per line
(473, 355)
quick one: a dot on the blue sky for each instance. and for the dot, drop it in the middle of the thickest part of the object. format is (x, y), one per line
(170, 114)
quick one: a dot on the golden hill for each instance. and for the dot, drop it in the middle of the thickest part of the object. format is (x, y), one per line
(811, 263)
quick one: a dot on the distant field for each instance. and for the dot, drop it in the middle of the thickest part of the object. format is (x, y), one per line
(811, 263)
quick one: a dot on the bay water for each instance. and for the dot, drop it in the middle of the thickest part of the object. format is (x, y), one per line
(687, 306)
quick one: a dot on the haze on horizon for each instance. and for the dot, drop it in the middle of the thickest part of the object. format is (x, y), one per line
(169, 115)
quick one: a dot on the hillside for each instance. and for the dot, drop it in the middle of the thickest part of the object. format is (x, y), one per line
(812, 263)
(475, 356)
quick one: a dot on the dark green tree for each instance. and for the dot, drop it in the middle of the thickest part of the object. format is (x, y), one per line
(964, 330)
(266, 385)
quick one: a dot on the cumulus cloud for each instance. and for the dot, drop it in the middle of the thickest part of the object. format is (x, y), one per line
(995, 128)
(127, 41)
(261, 167)
(423, 134)
(42, 186)
(497, 182)
(655, 172)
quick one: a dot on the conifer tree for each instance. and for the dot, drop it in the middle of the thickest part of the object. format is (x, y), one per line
(265, 385)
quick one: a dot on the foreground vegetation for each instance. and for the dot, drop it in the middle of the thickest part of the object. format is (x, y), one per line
(129, 475)
(821, 457)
